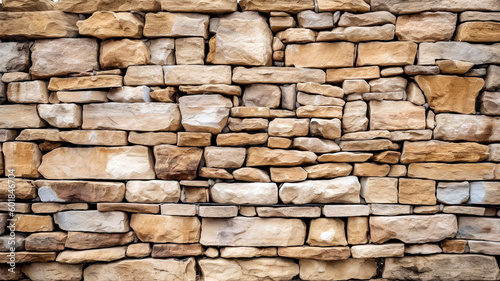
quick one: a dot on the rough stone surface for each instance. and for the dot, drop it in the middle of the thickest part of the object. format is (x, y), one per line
(337, 270)
(245, 193)
(89, 7)
(427, 26)
(153, 191)
(35, 25)
(79, 191)
(440, 151)
(165, 229)
(123, 53)
(116, 25)
(93, 221)
(339, 190)
(177, 163)
(255, 269)
(166, 24)
(320, 55)
(396, 115)
(384, 54)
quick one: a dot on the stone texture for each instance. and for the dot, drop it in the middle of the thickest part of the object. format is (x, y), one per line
(396, 115)
(288, 127)
(439, 151)
(85, 82)
(316, 145)
(245, 193)
(104, 25)
(315, 270)
(321, 89)
(386, 53)
(366, 19)
(255, 269)
(277, 75)
(261, 156)
(453, 192)
(258, 232)
(338, 190)
(82, 96)
(413, 229)
(123, 53)
(326, 232)
(343, 5)
(484, 192)
(483, 247)
(466, 127)
(428, 53)
(190, 50)
(147, 116)
(73, 54)
(162, 51)
(341, 74)
(153, 191)
(444, 267)
(378, 251)
(251, 175)
(165, 229)
(53, 271)
(101, 163)
(354, 118)
(197, 74)
(25, 190)
(23, 157)
(452, 172)
(379, 190)
(358, 33)
(288, 174)
(357, 230)
(241, 39)
(450, 93)
(428, 26)
(89, 256)
(94, 137)
(490, 103)
(492, 76)
(417, 192)
(262, 95)
(61, 115)
(166, 24)
(86, 240)
(92, 221)
(28, 92)
(199, 7)
(33, 223)
(147, 269)
(320, 55)
(328, 129)
(79, 191)
(404, 7)
(276, 5)
(89, 7)
(40, 24)
(224, 157)
(198, 115)
(313, 20)
(478, 32)
(177, 162)
(328, 170)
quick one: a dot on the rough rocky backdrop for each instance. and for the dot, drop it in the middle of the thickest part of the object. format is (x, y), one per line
(260, 140)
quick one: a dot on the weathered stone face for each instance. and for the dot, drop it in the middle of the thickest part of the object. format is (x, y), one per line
(123, 53)
(89, 7)
(34, 25)
(93, 221)
(200, 115)
(320, 55)
(80, 191)
(340, 270)
(396, 115)
(339, 190)
(165, 229)
(241, 39)
(467, 127)
(176, 25)
(245, 193)
(116, 25)
(257, 232)
(426, 27)
(177, 163)
(231, 269)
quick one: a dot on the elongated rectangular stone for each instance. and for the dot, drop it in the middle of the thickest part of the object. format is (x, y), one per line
(477, 128)
(44, 24)
(320, 55)
(479, 228)
(386, 53)
(277, 75)
(220, 6)
(166, 229)
(92, 221)
(440, 151)
(131, 162)
(91, 6)
(197, 74)
(453, 172)
(245, 193)
(337, 75)
(166, 24)
(85, 82)
(80, 191)
(429, 53)
(267, 6)
(259, 232)
(412, 7)
(16, 116)
(396, 115)
(132, 116)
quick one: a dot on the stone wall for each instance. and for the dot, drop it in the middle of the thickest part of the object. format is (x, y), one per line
(260, 140)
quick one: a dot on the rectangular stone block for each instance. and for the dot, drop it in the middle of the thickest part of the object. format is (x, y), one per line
(477, 128)
(396, 115)
(386, 53)
(166, 229)
(166, 24)
(320, 55)
(85, 82)
(453, 172)
(197, 74)
(92, 221)
(338, 75)
(277, 75)
(33, 25)
(223, 6)
(16, 116)
(80, 191)
(259, 232)
(132, 116)
(479, 228)
(91, 6)
(405, 7)
(429, 53)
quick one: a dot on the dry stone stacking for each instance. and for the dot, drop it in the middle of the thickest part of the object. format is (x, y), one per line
(259, 140)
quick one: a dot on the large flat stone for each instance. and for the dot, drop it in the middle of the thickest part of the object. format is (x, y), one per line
(479, 228)
(204, 113)
(143, 269)
(80, 191)
(411, 7)
(206, 6)
(276, 5)
(123, 53)
(263, 156)
(439, 151)
(132, 116)
(396, 115)
(338, 190)
(90, 256)
(442, 267)
(484, 192)
(241, 39)
(85, 82)
(386, 53)
(476, 128)
(73, 55)
(316, 270)
(165, 229)
(23, 157)
(453, 172)
(165, 24)
(428, 53)
(34, 25)
(272, 269)
(320, 55)
(88, 240)
(277, 75)
(133, 162)
(92, 221)
(91, 6)
(176, 75)
(154, 191)
(259, 232)
(413, 229)
(104, 25)
(52, 271)
(427, 26)
(450, 93)
(245, 193)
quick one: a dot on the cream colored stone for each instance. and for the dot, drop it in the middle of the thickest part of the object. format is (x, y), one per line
(371, 170)
(343, 5)
(147, 116)
(474, 53)
(165, 229)
(366, 19)
(276, 5)
(413, 229)
(152, 139)
(484, 193)
(490, 103)
(200, 115)
(328, 170)
(324, 128)
(241, 39)
(104, 25)
(478, 32)
(428, 26)
(466, 267)
(190, 50)
(92, 221)
(79, 191)
(325, 90)
(389, 53)
(354, 118)
(319, 111)
(89, 7)
(259, 232)
(340, 74)
(454, 66)
(288, 174)
(136, 269)
(417, 192)
(61, 115)
(318, 100)
(315, 270)
(358, 33)
(439, 151)
(39, 24)
(378, 251)
(452, 172)
(199, 7)
(288, 127)
(467, 127)
(313, 20)
(230, 90)
(388, 115)
(245, 193)
(262, 95)
(261, 156)
(28, 92)
(247, 252)
(357, 230)
(85, 82)
(281, 23)
(326, 232)
(368, 145)
(277, 75)
(88, 256)
(297, 35)
(197, 74)
(251, 175)
(16, 57)
(315, 145)
(52, 271)
(345, 157)
(379, 190)
(320, 55)
(320, 191)
(241, 139)
(165, 24)
(255, 269)
(23, 157)
(123, 53)
(153, 191)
